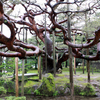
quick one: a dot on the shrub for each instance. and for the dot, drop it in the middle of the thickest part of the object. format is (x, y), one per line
(47, 87)
(10, 86)
(77, 89)
(88, 91)
(55, 93)
(2, 90)
(2, 81)
(28, 90)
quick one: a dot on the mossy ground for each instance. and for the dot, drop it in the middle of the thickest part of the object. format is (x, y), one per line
(61, 79)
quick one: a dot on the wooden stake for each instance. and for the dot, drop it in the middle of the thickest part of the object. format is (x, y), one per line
(22, 85)
(74, 60)
(54, 54)
(45, 45)
(39, 66)
(88, 66)
(16, 77)
(87, 52)
(83, 63)
(70, 57)
(38, 60)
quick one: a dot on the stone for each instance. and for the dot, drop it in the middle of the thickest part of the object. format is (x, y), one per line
(35, 87)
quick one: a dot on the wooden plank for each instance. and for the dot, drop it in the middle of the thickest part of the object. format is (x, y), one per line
(27, 75)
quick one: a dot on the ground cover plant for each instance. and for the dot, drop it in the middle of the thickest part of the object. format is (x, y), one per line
(61, 84)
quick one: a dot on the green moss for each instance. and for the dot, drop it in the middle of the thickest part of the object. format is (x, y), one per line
(27, 90)
(55, 93)
(37, 92)
(60, 75)
(77, 89)
(98, 79)
(88, 90)
(15, 98)
(49, 82)
(65, 69)
(81, 79)
(30, 83)
(84, 84)
(47, 87)
(35, 77)
(62, 80)
(32, 71)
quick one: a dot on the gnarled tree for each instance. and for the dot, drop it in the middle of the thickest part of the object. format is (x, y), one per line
(53, 9)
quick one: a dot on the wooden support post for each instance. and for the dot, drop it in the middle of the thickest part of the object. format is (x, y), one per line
(38, 60)
(54, 54)
(57, 56)
(2, 28)
(26, 50)
(83, 62)
(88, 65)
(16, 77)
(74, 60)
(39, 66)
(74, 65)
(45, 46)
(22, 84)
(70, 57)
(83, 66)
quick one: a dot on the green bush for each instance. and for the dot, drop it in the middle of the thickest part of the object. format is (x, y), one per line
(88, 91)
(47, 87)
(2, 90)
(49, 82)
(15, 98)
(2, 81)
(77, 89)
(28, 90)
(10, 86)
(37, 92)
(55, 93)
